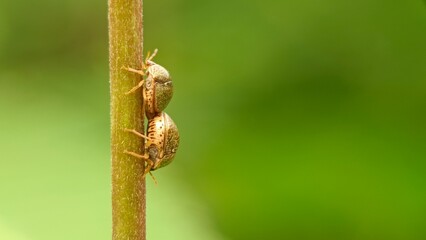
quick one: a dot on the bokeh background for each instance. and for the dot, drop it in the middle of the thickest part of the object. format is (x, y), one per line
(298, 120)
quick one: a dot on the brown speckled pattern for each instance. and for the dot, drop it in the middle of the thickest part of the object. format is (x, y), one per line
(162, 131)
(149, 95)
(163, 95)
(171, 141)
(164, 137)
(158, 90)
(156, 130)
(159, 73)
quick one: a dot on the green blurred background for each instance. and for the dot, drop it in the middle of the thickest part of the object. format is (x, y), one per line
(298, 119)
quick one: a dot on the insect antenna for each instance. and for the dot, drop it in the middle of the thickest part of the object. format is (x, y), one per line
(153, 178)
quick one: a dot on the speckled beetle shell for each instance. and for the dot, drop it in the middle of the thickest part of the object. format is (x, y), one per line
(158, 90)
(164, 140)
(157, 86)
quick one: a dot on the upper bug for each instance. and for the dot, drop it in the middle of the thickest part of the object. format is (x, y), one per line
(158, 86)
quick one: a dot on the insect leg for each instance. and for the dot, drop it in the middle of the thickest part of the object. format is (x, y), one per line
(143, 157)
(137, 133)
(140, 72)
(149, 58)
(153, 178)
(140, 84)
(148, 167)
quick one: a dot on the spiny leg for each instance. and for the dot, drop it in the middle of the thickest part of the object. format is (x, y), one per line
(148, 165)
(145, 63)
(140, 84)
(149, 162)
(148, 59)
(153, 178)
(137, 155)
(140, 72)
(137, 134)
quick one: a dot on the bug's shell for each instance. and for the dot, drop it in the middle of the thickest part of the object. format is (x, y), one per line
(164, 141)
(158, 89)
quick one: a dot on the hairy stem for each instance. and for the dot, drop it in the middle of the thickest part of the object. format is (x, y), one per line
(128, 184)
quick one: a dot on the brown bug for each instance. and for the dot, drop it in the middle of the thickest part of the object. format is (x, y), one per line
(161, 143)
(158, 86)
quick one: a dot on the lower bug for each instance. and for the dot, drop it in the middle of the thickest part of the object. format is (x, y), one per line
(161, 142)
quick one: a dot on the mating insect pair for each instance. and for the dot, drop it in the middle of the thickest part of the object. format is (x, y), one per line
(162, 139)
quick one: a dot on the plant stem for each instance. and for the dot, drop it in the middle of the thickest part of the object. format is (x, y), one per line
(128, 185)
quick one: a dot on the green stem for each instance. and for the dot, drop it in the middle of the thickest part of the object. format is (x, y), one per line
(128, 185)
